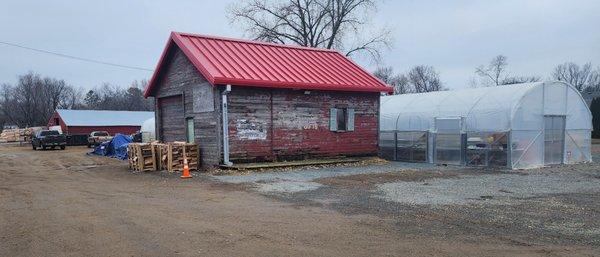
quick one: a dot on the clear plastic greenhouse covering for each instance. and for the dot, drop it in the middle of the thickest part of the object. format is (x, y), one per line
(519, 126)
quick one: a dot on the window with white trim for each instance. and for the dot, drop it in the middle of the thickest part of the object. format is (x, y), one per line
(341, 119)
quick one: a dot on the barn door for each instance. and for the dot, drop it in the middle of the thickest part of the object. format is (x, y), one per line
(171, 123)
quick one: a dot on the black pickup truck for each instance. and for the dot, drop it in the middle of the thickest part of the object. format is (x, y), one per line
(48, 138)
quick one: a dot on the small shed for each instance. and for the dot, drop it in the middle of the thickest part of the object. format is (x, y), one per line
(517, 126)
(83, 122)
(247, 101)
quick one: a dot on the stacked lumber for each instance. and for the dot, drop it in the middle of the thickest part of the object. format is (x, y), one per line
(29, 132)
(141, 157)
(11, 135)
(19, 135)
(162, 156)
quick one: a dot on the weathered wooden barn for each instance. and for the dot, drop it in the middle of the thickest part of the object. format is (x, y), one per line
(245, 101)
(83, 122)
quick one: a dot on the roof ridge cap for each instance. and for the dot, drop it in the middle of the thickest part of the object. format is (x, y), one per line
(256, 42)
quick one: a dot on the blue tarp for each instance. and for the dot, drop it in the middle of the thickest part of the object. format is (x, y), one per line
(116, 147)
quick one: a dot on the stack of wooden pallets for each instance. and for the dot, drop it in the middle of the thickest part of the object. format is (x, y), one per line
(162, 156)
(176, 152)
(141, 157)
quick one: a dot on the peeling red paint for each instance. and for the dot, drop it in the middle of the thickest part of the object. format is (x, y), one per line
(289, 138)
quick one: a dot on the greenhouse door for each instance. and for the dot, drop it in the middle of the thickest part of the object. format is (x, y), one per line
(448, 141)
(554, 139)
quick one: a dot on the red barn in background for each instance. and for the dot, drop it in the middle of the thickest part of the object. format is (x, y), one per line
(83, 122)
(246, 101)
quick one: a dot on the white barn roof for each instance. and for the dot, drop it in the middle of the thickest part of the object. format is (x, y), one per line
(103, 118)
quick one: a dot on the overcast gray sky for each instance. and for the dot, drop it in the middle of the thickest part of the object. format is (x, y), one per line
(452, 36)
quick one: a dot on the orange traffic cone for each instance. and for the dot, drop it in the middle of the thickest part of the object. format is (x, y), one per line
(186, 169)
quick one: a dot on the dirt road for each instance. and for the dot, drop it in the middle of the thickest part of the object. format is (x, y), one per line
(64, 203)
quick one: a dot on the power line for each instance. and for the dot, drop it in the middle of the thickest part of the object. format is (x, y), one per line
(74, 57)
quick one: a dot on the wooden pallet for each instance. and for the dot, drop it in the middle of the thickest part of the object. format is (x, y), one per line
(19, 135)
(177, 151)
(161, 156)
(141, 157)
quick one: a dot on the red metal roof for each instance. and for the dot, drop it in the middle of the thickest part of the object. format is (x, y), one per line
(249, 63)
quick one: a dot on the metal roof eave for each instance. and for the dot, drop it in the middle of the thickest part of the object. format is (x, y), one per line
(176, 38)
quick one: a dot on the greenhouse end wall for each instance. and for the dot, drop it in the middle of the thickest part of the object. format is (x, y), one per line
(518, 126)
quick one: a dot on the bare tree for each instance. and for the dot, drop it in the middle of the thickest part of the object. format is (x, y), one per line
(419, 79)
(401, 85)
(580, 77)
(519, 80)
(73, 99)
(594, 84)
(6, 103)
(135, 96)
(112, 97)
(3, 120)
(494, 72)
(24, 99)
(398, 81)
(33, 99)
(384, 74)
(424, 79)
(330, 24)
(55, 92)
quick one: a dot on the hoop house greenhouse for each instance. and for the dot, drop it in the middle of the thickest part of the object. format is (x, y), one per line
(517, 126)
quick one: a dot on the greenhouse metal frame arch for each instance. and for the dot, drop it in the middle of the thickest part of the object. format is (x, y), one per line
(517, 126)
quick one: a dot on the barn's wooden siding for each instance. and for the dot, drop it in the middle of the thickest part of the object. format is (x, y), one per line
(264, 124)
(267, 124)
(181, 78)
(53, 122)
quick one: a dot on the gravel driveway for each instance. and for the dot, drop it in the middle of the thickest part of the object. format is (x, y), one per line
(557, 205)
